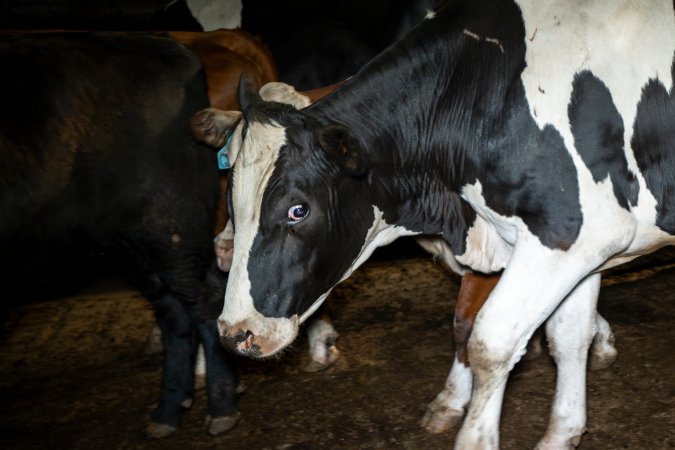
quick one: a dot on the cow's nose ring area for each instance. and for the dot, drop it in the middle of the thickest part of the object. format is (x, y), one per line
(244, 340)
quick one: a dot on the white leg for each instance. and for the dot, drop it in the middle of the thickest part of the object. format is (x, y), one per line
(448, 407)
(535, 282)
(200, 368)
(154, 342)
(570, 331)
(322, 349)
(603, 352)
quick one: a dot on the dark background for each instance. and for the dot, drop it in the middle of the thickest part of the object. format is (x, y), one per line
(314, 43)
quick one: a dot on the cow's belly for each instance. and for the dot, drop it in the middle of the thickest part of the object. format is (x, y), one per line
(609, 231)
(648, 239)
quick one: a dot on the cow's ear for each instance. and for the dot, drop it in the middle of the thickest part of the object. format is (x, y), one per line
(283, 93)
(343, 147)
(211, 125)
(247, 93)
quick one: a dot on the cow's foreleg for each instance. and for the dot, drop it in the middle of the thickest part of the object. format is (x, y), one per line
(570, 331)
(322, 336)
(536, 280)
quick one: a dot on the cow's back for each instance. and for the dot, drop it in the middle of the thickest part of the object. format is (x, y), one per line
(94, 141)
(225, 55)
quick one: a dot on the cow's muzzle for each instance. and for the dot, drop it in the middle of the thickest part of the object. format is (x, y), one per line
(259, 338)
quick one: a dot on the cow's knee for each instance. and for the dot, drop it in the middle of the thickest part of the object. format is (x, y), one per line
(492, 354)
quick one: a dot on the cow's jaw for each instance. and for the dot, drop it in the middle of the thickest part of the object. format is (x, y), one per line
(250, 333)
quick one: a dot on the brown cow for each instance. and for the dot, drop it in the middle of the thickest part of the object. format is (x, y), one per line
(225, 55)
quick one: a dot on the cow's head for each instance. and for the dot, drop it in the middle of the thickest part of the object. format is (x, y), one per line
(303, 217)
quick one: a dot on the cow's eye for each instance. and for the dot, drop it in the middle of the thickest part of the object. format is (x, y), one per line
(297, 212)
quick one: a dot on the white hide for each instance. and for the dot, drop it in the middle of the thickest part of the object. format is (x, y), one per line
(624, 44)
(255, 162)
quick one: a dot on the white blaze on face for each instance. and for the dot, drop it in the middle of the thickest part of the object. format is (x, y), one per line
(254, 161)
(624, 43)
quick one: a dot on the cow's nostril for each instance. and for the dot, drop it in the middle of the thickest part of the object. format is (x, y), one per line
(241, 341)
(245, 340)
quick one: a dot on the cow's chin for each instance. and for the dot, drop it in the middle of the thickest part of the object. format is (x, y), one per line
(260, 337)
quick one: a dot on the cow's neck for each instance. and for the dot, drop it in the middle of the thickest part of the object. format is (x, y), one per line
(425, 113)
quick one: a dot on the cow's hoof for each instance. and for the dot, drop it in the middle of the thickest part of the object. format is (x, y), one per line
(218, 425)
(322, 363)
(553, 444)
(440, 419)
(156, 430)
(315, 366)
(599, 360)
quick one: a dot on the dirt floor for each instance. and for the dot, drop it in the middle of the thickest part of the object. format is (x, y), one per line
(73, 373)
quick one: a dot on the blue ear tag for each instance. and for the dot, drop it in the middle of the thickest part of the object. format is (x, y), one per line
(223, 160)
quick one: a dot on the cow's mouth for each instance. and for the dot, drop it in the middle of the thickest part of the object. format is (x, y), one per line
(258, 338)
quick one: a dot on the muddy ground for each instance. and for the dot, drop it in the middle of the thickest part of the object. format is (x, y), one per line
(73, 373)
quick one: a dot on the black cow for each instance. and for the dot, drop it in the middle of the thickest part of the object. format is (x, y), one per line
(96, 152)
(319, 42)
(534, 136)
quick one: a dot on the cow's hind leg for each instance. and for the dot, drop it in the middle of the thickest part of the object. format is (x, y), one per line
(603, 353)
(448, 407)
(570, 331)
(180, 346)
(222, 383)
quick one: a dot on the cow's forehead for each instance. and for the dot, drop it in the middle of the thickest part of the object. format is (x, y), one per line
(259, 153)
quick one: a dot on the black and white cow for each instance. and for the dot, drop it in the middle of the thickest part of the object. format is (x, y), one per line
(96, 153)
(449, 406)
(534, 136)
